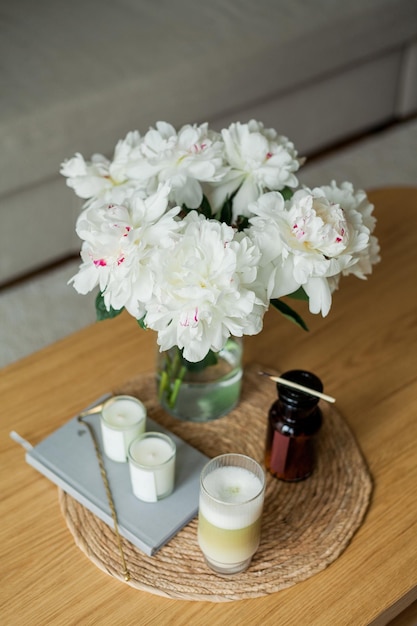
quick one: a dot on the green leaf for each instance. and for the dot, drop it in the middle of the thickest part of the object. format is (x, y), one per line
(205, 208)
(226, 212)
(289, 313)
(300, 294)
(209, 359)
(141, 323)
(101, 311)
(242, 222)
(287, 193)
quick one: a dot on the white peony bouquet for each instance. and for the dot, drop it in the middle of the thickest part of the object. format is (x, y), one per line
(196, 233)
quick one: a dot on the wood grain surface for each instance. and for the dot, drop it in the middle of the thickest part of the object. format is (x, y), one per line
(364, 351)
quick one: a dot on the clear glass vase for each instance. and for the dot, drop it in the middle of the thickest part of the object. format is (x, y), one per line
(204, 391)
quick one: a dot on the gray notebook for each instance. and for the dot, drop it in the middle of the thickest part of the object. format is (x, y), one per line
(67, 457)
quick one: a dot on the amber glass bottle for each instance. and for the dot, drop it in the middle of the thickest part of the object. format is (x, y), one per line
(293, 421)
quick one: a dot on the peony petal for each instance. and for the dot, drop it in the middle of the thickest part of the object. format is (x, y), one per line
(320, 298)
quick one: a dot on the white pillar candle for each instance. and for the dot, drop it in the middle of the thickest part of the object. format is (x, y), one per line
(123, 418)
(152, 466)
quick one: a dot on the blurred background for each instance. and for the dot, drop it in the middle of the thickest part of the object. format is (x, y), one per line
(339, 79)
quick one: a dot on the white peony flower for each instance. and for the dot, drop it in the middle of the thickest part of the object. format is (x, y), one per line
(196, 280)
(183, 159)
(360, 211)
(205, 289)
(119, 241)
(260, 160)
(101, 180)
(314, 240)
(87, 179)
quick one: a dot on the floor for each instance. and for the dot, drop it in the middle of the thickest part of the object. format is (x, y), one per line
(37, 312)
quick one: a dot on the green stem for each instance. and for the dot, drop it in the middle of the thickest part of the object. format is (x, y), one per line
(163, 384)
(173, 371)
(171, 377)
(176, 387)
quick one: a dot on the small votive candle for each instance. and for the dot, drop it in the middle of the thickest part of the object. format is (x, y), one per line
(123, 418)
(152, 466)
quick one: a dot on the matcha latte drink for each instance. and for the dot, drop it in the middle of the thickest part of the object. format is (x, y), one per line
(232, 490)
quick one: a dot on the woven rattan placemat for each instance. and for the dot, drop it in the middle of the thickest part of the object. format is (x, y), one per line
(306, 525)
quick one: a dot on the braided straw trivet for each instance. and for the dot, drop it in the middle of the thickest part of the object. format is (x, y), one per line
(306, 525)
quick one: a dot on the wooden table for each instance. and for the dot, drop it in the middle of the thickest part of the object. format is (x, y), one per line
(364, 351)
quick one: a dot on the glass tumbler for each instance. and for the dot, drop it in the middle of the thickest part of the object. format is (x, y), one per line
(232, 488)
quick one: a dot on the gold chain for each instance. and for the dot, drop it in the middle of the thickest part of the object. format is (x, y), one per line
(126, 572)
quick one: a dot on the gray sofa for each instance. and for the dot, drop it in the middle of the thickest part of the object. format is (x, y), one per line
(77, 76)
